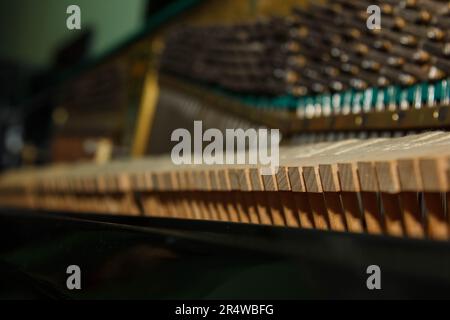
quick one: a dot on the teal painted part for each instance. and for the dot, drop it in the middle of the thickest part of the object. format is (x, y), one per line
(391, 94)
(439, 92)
(425, 87)
(411, 93)
(401, 96)
(318, 100)
(374, 97)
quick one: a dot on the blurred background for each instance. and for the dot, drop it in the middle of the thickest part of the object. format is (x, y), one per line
(43, 67)
(32, 31)
(92, 94)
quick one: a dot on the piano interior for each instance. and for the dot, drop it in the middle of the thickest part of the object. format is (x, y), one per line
(241, 149)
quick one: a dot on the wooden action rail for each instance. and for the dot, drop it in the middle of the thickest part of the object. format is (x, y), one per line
(393, 186)
(429, 117)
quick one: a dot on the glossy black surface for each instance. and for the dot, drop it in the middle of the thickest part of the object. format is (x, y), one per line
(151, 258)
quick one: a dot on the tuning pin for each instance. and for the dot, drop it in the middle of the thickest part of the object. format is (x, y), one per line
(403, 103)
(418, 97)
(347, 102)
(431, 98)
(435, 34)
(391, 98)
(326, 105)
(310, 108)
(446, 92)
(379, 105)
(356, 103)
(300, 108)
(367, 100)
(318, 103)
(336, 103)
